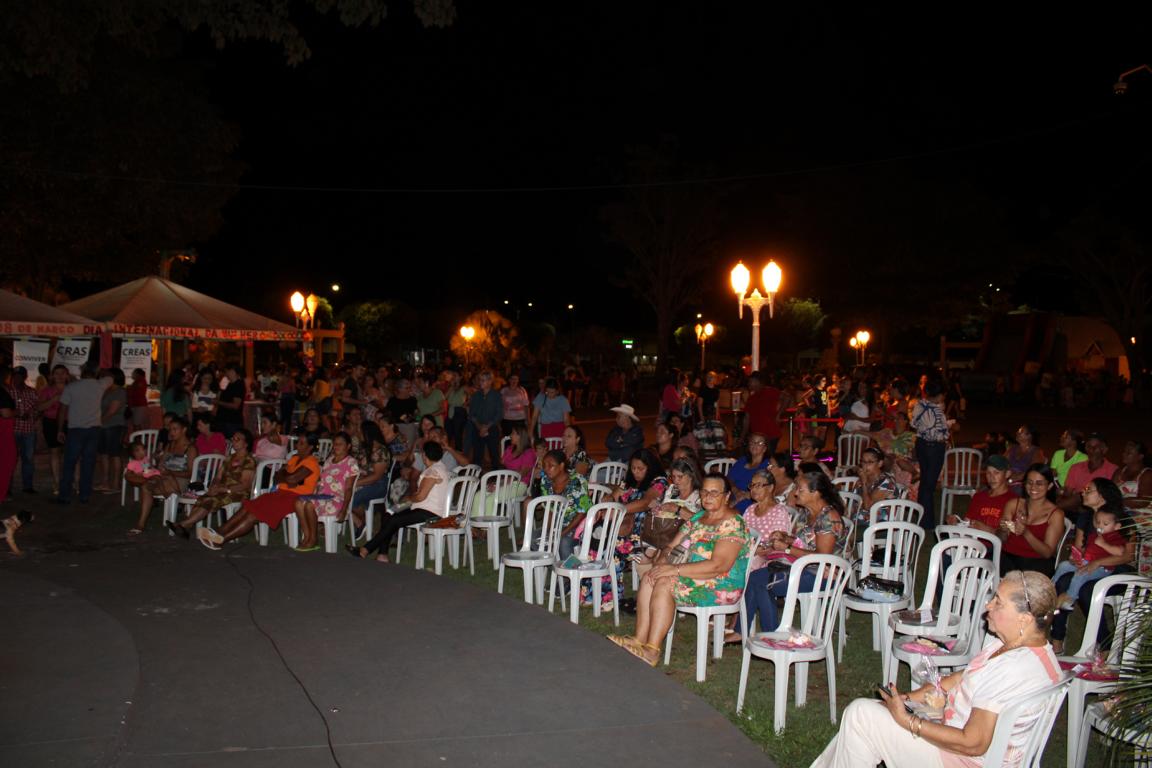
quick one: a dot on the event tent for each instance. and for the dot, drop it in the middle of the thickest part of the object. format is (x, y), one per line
(21, 316)
(160, 309)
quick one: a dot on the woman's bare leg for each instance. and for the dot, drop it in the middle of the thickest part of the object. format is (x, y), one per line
(306, 511)
(239, 525)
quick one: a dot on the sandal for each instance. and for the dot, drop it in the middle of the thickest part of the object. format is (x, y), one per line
(313, 548)
(201, 535)
(135, 532)
(639, 650)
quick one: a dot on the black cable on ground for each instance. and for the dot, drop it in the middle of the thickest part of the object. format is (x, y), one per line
(279, 653)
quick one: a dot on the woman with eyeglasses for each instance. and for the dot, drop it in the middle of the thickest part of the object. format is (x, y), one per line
(1017, 663)
(818, 528)
(755, 459)
(766, 515)
(874, 483)
(716, 546)
(1033, 525)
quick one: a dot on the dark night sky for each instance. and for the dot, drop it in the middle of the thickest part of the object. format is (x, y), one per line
(546, 96)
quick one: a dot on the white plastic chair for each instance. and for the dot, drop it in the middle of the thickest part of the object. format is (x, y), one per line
(899, 552)
(1096, 717)
(263, 482)
(332, 524)
(598, 492)
(852, 503)
(723, 466)
(204, 469)
(1125, 645)
(818, 611)
(968, 585)
(500, 480)
(461, 491)
(897, 511)
(469, 470)
(714, 614)
(149, 437)
(845, 483)
(607, 517)
(538, 549)
(323, 450)
(849, 448)
(962, 476)
(1041, 707)
(370, 515)
(554, 443)
(1069, 527)
(993, 544)
(610, 473)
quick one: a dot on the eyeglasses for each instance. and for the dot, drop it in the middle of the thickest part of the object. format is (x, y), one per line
(757, 442)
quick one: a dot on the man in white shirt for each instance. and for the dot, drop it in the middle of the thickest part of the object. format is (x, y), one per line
(80, 410)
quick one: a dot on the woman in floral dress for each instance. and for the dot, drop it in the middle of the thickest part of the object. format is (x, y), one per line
(718, 546)
(336, 481)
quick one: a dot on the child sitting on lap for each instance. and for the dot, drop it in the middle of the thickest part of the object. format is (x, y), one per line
(1106, 540)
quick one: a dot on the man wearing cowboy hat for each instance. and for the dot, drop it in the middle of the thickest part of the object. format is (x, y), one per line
(626, 437)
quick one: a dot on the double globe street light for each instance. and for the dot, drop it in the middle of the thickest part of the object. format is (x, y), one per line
(771, 277)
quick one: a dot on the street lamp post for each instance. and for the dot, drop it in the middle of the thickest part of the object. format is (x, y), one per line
(467, 333)
(771, 276)
(703, 333)
(859, 342)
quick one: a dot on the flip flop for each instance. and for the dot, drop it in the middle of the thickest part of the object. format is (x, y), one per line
(203, 539)
(313, 548)
(213, 537)
(135, 532)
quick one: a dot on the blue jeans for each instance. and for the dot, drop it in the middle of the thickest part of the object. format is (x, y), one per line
(1079, 580)
(79, 446)
(765, 587)
(370, 492)
(26, 450)
(930, 456)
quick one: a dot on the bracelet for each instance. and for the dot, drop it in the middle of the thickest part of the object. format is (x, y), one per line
(915, 724)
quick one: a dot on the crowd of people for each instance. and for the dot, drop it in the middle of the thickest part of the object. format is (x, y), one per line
(347, 437)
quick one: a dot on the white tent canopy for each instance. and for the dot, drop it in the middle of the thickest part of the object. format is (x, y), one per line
(21, 316)
(161, 309)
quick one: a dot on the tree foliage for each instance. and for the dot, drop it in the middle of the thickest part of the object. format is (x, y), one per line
(112, 148)
(495, 343)
(377, 328)
(669, 231)
(803, 319)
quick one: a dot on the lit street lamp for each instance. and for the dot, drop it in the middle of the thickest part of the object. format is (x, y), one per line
(771, 276)
(304, 309)
(859, 342)
(467, 333)
(703, 333)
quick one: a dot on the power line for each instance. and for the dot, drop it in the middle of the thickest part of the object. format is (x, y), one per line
(811, 170)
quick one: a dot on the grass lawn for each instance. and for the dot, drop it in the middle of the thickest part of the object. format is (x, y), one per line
(809, 728)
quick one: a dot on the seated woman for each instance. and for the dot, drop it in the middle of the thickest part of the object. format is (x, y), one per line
(809, 451)
(1017, 663)
(175, 465)
(428, 502)
(575, 454)
(312, 425)
(783, 470)
(682, 499)
(205, 393)
(557, 480)
(873, 483)
(718, 545)
(665, 445)
(1108, 546)
(766, 516)
(682, 433)
(755, 459)
(1034, 524)
(1071, 451)
(271, 445)
(518, 457)
(373, 464)
(297, 477)
(1024, 453)
(1132, 476)
(1099, 496)
(818, 529)
(233, 483)
(208, 441)
(336, 480)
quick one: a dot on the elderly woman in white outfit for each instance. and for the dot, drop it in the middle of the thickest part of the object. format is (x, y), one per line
(1017, 663)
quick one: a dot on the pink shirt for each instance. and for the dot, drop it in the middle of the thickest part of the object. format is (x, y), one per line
(522, 463)
(1079, 474)
(515, 403)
